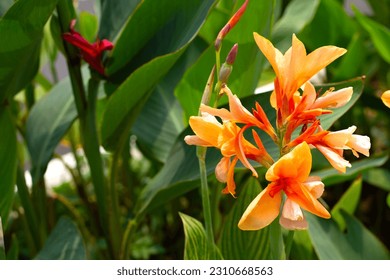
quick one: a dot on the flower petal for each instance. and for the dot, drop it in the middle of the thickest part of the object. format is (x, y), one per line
(206, 127)
(386, 98)
(292, 217)
(334, 99)
(337, 161)
(315, 186)
(222, 168)
(273, 55)
(301, 195)
(294, 165)
(360, 143)
(261, 211)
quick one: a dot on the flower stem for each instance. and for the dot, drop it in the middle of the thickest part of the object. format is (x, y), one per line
(288, 243)
(201, 153)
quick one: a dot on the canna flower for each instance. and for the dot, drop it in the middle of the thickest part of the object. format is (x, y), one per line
(228, 137)
(294, 69)
(386, 98)
(91, 53)
(290, 174)
(238, 113)
(308, 106)
(333, 144)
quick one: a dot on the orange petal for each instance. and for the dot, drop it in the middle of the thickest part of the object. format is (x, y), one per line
(339, 139)
(207, 128)
(273, 55)
(301, 195)
(261, 211)
(337, 161)
(294, 165)
(222, 168)
(386, 98)
(319, 59)
(231, 185)
(222, 113)
(195, 140)
(334, 99)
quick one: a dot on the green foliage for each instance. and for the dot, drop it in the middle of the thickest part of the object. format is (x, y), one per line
(22, 25)
(357, 242)
(47, 124)
(8, 158)
(244, 245)
(64, 243)
(348, 203)
(196, 246)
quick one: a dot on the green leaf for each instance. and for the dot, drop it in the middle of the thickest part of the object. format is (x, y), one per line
(247, 66)
(64, 243)
(331, 176)
(8, 162)
(4, 6)
(358, 243)
(379, 34)
(179, 175)
(379, 177)
(237, 244)
(348, 203)
(161, 119)
(22, 25)
(302, 247)
(330, 26)
(351, 63)
(196, 246)
(388, 200)
(88, 24)
(2, 247)
(126, 102)
(157, 28)
(114, 15)
(297, 15)
(48, 121)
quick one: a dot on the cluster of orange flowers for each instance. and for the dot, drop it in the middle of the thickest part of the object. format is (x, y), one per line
(297, 106)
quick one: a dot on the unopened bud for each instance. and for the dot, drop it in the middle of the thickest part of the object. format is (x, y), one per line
(224, 73)
(232, 55)
(229, 25)
(227, 67)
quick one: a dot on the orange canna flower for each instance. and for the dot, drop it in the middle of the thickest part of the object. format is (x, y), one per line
(228, 137)
(238, 113)
(289, 174)
(332, 144)
(308, 106)
(386, 98)
(293, 69)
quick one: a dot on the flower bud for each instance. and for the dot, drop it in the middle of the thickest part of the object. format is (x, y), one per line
(227, 66)
(229, 25)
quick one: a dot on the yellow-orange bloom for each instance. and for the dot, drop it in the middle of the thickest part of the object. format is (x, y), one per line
(289, 174)
(295, 67)
(228, 137)
(386, 98)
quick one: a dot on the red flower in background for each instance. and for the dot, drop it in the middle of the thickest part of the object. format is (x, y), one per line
(91, 53)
